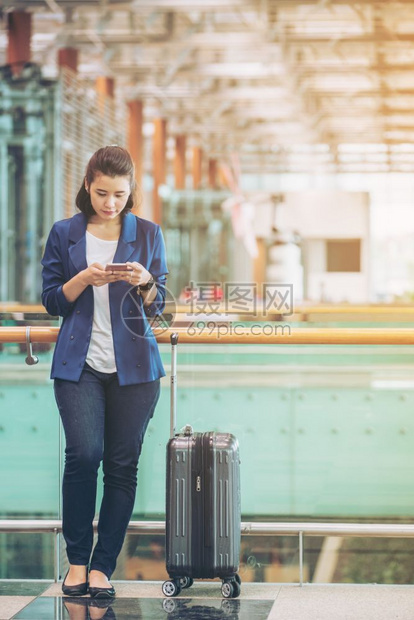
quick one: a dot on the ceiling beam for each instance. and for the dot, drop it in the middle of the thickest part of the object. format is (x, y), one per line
(340, 68)
(314, 3)
(244, 39)
(143, 5)
(192, 5)
(340, 39)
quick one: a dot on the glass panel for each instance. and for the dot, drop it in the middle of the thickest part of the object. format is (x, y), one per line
(324, 432)
(265, 559)
(26, 556)
(29, 453)
(362, 560)
(270, 559)
(334, 559)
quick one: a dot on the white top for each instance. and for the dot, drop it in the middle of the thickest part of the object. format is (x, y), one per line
(101, 354)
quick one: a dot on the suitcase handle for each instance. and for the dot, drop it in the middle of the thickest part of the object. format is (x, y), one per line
(173, 383)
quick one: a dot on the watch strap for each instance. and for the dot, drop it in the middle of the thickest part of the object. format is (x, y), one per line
(147, 286)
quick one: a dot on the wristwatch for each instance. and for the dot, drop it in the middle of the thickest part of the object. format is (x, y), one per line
(147, 286)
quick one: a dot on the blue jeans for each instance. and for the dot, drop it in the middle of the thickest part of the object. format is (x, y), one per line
(102, 422)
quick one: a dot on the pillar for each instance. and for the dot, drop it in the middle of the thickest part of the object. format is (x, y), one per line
(135, 140)
(159, 165)
(19, 27)
(68, 57)
(222, 180)
(212, 173)
(197, 167)
(179, 162)
(259, 265)
(105, 86)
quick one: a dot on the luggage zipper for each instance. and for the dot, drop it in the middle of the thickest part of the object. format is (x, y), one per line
(198, 508)
(209, 489)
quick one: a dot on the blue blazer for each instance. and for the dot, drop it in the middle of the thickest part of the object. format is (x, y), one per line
(136, 350)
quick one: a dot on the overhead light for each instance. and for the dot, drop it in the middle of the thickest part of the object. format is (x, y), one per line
(148, 129)
(164, 191)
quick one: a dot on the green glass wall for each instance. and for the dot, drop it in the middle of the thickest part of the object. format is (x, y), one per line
(325, 433)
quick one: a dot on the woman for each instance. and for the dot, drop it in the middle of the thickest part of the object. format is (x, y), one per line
(106, 365)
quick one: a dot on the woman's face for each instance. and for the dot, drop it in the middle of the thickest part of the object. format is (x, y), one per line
(109, 196)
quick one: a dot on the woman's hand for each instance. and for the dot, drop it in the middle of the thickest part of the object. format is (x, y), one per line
(95, 275)
(138, 274)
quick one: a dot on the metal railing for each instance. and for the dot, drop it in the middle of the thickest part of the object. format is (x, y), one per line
(365, 530)
(385, 310)
(218, 333)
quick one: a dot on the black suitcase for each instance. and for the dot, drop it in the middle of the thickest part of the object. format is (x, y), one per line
(202, 505)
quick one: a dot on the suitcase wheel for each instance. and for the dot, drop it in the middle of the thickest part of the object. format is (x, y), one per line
(171, 587)
(186, 582)
(169, 605)
(231, 588)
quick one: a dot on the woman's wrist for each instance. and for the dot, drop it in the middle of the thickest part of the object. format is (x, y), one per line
(74, 287)
(80, 277)
(148, 286)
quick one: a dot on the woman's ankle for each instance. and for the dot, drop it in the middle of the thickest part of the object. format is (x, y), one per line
(98, 579)
(78, 573)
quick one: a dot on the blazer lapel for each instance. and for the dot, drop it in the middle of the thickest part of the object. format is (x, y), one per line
(127, 240)
(77, 242)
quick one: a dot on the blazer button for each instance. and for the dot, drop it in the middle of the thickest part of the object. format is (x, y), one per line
(64, 363)
(138, 365)
(133, 338)
(130, 312)
(77, 311)
(72, 337)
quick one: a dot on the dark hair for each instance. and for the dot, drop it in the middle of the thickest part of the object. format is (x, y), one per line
(112, 161)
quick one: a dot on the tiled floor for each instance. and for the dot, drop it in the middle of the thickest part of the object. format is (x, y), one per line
(42, 600)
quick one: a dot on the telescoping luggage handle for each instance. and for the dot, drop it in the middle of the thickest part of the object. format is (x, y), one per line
(187, 430)
(173, 391)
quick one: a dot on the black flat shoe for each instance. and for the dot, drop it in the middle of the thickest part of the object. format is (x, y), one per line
(79, 590)
(102, 592)
(99, 603)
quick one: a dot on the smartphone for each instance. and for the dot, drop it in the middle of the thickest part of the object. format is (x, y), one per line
(117, 267)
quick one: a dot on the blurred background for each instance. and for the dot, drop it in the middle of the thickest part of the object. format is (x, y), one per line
(274, 143)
